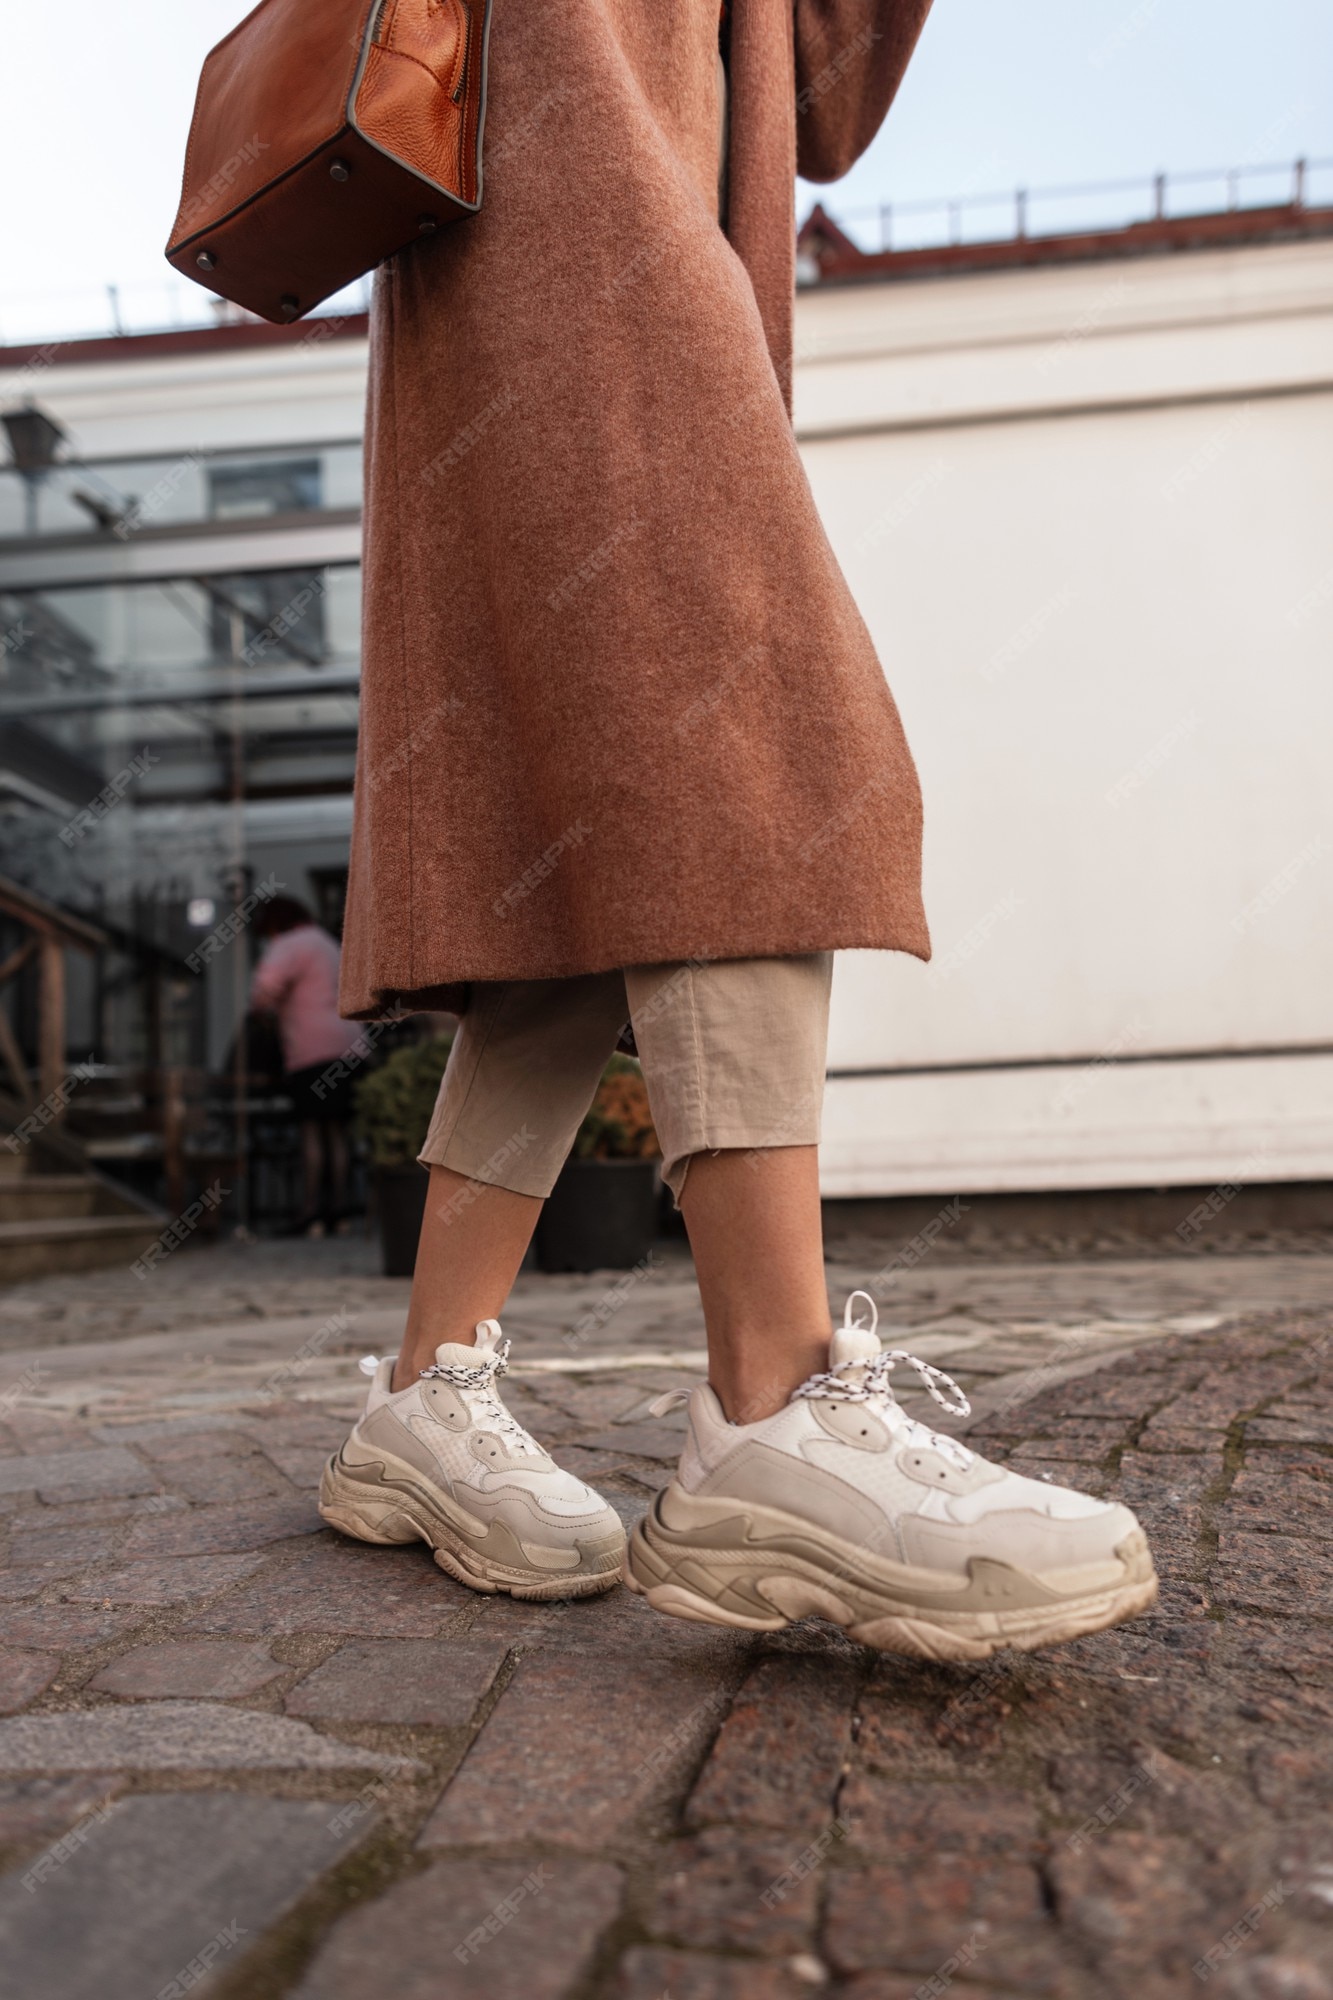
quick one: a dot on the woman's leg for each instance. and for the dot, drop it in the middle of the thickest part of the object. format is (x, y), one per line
(733, 1055)
(335, 1138)
(754, 1225)
(312, 1169)
(522, 1071)
(473, 1240)
(526, 1061)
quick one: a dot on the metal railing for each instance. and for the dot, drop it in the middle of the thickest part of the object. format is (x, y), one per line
(1048, 211)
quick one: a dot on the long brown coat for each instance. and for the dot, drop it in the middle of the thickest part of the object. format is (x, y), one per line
(618, 704)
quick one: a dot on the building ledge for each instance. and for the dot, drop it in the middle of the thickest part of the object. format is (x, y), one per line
(826, 255)
(186, 340)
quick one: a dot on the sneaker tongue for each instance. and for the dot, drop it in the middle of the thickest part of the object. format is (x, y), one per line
(852, 1343)
(459, 1354)
(454, 1354)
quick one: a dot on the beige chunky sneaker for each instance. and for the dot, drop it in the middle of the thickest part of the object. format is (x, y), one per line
(841, 1506)
(445, 1462)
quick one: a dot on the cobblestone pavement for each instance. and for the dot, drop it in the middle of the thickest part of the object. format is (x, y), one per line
(239, 1750)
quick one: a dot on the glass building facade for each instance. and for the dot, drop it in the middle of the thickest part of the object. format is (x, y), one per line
(179, 666)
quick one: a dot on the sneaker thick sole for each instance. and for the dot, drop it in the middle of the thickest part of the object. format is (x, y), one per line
(735, 1563)
(397, 1507)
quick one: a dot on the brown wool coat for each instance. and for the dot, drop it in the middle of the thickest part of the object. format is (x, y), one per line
(618, 705)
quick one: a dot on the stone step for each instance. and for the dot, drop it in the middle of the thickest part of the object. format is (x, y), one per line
(60, 1244)
(42, 1197)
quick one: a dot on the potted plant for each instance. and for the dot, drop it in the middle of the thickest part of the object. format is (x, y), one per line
(393, 1107)
(602, 1212)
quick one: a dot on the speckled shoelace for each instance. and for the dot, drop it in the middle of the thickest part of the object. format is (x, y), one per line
(466, 1377)
(874, 1384)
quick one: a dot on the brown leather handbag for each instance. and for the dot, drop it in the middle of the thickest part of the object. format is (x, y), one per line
(327, 135)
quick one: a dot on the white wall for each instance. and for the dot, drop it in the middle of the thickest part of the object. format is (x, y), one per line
(1085, 512)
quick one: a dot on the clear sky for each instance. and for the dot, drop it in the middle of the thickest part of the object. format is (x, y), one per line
(1037, 93)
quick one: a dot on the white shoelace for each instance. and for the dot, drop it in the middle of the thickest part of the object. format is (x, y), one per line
(874, 1386)
(480, 1381)
(875, 1381)
(469, 1377)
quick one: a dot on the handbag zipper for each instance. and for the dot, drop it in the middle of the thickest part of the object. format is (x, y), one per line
(467, 41)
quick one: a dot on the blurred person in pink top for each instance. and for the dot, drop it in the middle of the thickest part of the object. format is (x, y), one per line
(297, 980)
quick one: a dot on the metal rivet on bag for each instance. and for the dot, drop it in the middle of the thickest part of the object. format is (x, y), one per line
(340, 171)
(206, 261)
(427, 223)
(290, 305)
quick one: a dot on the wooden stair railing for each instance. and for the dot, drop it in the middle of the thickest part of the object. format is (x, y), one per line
(53, 931)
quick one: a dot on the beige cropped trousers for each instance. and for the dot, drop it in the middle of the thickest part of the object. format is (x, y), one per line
(733, 1055)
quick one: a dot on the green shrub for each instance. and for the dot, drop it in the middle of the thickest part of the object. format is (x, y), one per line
(394, 1102)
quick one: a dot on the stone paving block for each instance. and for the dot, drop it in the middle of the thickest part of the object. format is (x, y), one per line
(1292, 1648)
(57, 1475)
(1297, 1500)
(780, 1753)
(1138, 1787)
(164, 1580)
(647, 1973)
(1174, 1439)
(921, 1734)
(432, 1683)
(505, 1930)
(1173, 1538)
(906, 1986)
(100, 1512)
(344, 1587)
(204, 1669)
(41, 1432)
(1079, 1448)
(1274, 1573)
(162, 1890)
(302, 1464)
(63, 1626)
(177, 1736)
(927, 1908)
(23, 1675)
(616, 1621)
(1214, 1403)
(296, 1423)
(661, 1442)
(195, 1444)
(1291, 1425)
(631, 1506)
(973, 1818)
(1282, 1975)
(241, 1474)
(1106, 1392)
(1288, 1779)
(43, 1808)
(223, 1529)
(577, 1748)
(1144, 1900)
(44, 1538)
(730, 1890)
(165, 1436)
(16, 1584)
(1156, 1475)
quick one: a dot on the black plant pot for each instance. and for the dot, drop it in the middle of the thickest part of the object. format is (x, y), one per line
(400, 1197)
(601, 1216)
